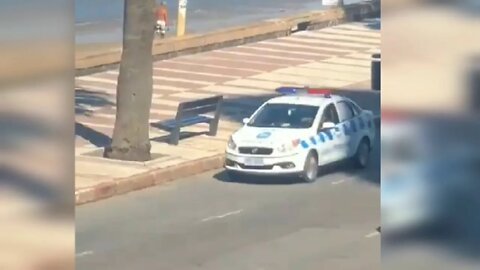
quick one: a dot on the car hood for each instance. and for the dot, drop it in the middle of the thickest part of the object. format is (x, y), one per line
(268, 137)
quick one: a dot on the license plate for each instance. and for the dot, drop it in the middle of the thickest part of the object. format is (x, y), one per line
(254, 161)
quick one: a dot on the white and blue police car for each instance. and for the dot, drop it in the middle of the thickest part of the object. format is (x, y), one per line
(299, 132)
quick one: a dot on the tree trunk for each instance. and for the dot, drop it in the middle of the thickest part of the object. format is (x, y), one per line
(135, 84)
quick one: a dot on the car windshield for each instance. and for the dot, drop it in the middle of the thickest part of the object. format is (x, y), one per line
(284, 116)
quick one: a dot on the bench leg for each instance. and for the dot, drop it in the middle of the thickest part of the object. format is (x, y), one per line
(213, 127)
(214, 122)
(175, 136)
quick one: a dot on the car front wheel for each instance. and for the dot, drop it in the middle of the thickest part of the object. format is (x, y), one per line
(310, 169)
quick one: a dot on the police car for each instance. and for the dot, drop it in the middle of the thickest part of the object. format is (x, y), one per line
(298, 133)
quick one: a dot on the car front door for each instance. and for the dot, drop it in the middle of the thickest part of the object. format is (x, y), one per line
(350, 129)
(328, 137)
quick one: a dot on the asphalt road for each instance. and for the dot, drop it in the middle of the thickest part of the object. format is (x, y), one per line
(207, 222)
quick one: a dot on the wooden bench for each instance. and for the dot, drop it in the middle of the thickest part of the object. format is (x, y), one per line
(191, 113)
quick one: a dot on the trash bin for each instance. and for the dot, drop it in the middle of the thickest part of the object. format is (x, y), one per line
(474, 84)
(375, 72)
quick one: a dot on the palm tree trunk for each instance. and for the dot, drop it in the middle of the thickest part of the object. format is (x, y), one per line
(135, 84)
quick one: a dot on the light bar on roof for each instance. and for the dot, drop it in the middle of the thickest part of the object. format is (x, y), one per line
(290, 90)
(320, 91)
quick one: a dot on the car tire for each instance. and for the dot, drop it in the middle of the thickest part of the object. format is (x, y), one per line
(362, 155)
(310, 168)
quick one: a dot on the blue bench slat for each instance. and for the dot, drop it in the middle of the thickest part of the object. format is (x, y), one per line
(171, 123)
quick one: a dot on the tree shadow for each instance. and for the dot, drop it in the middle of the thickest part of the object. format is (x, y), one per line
(236, 109)
(91, 135)
(86, 102)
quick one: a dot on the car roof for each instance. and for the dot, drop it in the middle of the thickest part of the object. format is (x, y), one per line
(312, 100)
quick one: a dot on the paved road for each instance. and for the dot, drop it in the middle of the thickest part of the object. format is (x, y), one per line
(99, 21)
(207, 222)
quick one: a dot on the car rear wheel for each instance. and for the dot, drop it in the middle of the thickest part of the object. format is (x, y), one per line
(310, 169)
(362, 155)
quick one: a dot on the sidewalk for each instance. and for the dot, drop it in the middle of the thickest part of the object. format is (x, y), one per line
(246, 75)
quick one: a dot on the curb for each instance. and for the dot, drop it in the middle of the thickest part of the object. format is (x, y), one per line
(148, 179)
(195, 43)
(154, 178)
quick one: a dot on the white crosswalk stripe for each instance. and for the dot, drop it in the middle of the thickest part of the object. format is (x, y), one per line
(346, 61)
(324, 73)
(330, 43)
(195, 73)
(347, 32)
(320, 66)
(262, 56)
(235, 90)
(211, 66)
(295, 46)
(348, 38)
(267, 50)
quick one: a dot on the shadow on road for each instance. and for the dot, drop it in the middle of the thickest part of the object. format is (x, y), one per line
(258, 180)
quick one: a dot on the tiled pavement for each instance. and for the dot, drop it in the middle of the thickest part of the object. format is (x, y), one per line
(332, 57)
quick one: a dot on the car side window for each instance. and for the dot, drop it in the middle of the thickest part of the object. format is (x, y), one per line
(329, 115)
(356, 110)
(345, 111)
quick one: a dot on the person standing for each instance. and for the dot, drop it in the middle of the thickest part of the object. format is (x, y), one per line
(161, 15)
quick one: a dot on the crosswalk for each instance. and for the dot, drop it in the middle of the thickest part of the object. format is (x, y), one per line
(337, 57)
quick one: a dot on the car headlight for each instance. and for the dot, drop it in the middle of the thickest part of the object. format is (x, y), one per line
(231, 144)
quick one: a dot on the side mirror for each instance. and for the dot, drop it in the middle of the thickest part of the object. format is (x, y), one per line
(245, 120)
(327, 125)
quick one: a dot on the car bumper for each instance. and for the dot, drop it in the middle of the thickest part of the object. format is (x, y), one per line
(269, 165)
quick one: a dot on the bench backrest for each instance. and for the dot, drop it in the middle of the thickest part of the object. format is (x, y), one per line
(200, 106)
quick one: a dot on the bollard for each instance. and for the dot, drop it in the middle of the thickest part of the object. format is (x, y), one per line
(181, 17)
(375, 72)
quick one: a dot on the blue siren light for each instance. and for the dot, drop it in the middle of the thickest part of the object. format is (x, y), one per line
(290, 90)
